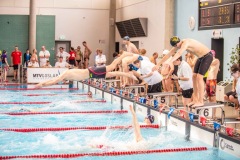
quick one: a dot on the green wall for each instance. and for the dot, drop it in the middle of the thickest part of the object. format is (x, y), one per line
(14, 30)
(46, 35)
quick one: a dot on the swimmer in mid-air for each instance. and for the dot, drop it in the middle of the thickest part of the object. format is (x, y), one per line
(91, 72)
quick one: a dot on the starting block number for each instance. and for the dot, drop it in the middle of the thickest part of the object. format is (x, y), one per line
(163, 99)
(207, 112)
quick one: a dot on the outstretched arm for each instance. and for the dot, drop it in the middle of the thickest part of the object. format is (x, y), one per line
(136, 126)
(53, 81)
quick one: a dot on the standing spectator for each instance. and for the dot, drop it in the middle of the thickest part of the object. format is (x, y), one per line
(154, 57)
(72, 57)
(212, 80)
(63, 54)
(16, 59)
(61, 63)
(5, 64)
(184, 77)
(44, 56)
(87, 53)
(34, 55)
(79, 57)
(26, 58)
(100, 59)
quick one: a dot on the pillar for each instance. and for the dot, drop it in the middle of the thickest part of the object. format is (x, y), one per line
(112, 18)
(32, 25)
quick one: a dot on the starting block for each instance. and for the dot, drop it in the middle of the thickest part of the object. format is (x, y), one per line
(206, 110)
(161, 97)
(112, 82)
(135, 88)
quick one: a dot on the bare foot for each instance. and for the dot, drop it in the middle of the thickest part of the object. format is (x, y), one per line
(191, 104)
(197, 105)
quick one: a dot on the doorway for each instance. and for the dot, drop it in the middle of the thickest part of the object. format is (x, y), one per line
(65, 44)
(218, 47)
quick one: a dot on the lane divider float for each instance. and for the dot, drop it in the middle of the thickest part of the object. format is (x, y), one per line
(76, 112)
(39, 89)
(75, 128)
(77, 94)
(112, 153)
(25, 102)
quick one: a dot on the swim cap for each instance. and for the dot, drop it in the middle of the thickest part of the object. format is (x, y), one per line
(174, 40)
(213, 53)
(126, 38)
(165, 52)
(151, 118)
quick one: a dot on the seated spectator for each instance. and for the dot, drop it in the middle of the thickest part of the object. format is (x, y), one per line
(232, 95)
(63, 54)
(61, 63)
(100, 59)
(33, 63)
(47, 65)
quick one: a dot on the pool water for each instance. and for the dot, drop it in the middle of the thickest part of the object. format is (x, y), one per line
(84, 141)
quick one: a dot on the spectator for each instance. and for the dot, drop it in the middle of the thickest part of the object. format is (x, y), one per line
(34, 55)
(100, 59)
(33, 63)
(79, 57)
(61, 63)
(63, 54)
(72, 57)
(47, 65)
(232, 95)
(5, 64)
(154, 57)
(87, 53)
(27, 57)
(44, 56)
(16, 59)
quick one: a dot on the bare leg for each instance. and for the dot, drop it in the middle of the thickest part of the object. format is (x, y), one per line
(137, 130)
(186, 101)
(200, 90)
(15, 74)
(234, 100)
(86, 63)
(213, 99)
(195, 90)
(113, 74)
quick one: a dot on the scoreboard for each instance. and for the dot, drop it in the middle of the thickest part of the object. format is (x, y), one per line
(214, 14)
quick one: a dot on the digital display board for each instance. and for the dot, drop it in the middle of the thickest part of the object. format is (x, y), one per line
(214, 14)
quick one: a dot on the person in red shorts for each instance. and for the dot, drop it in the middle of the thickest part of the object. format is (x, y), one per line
(212, 80)
(16, 59)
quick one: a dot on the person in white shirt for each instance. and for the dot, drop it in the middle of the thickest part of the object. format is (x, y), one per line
(152, 78)
(61, 63)
(43, 56)
(63, 54)
(184, 77)
(100, 59)
(235, 72)
(33, 63)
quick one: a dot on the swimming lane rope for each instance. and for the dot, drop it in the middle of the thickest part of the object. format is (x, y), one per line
(78, 94)
(77, 112)
(39, 89)
(81, 101)
(112, 153)
(75, 128)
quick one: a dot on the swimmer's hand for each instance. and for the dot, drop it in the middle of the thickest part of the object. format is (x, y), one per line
(37, 86)
(155, 68)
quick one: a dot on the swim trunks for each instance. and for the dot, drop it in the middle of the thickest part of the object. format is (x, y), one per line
(187, 93)
(231, 93)
(203, 63)
(97, 72)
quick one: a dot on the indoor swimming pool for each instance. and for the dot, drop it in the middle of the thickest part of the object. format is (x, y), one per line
(88, 129)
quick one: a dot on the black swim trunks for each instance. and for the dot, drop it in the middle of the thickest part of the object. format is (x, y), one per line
(231, 93)
(187, 93)
(97, 72)
(155, 88)
(202, 65)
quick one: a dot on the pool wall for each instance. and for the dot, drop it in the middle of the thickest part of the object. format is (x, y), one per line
(175, 123)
